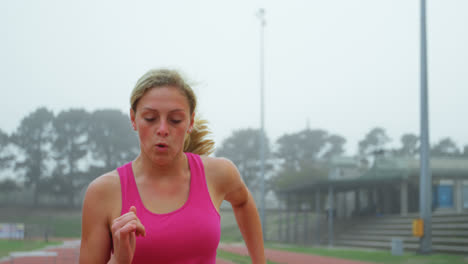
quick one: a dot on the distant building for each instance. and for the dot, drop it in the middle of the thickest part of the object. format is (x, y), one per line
(390, 186)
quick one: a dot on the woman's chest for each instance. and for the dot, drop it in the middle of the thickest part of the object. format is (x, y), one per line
(181, 235)
(164, 199)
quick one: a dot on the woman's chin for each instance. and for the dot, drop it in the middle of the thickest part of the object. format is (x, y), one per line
(161, 160)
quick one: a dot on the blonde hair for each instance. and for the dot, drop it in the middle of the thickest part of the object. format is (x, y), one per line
(195, 142)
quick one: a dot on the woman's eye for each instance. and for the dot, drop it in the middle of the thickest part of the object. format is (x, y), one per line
(149, 119)
(176, 121)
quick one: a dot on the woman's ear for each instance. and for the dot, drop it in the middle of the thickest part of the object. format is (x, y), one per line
(192, 122)
(132, 119)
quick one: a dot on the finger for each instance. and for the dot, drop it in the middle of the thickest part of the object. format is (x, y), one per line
(122, 233)
(140, 229)
(124, 216)
(130, 227)
(132, 237)
(123, 220)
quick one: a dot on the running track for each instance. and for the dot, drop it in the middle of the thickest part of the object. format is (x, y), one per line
(286, 257)
(68, 254)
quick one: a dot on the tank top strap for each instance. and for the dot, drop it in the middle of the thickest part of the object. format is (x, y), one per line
(198, 186)
(128, 188)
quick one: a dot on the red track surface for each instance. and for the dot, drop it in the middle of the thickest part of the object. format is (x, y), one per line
(65, 255)
(69, 255)
(287, 257)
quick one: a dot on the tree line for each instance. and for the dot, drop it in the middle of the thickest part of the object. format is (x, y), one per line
(305, 155)
(60, 154)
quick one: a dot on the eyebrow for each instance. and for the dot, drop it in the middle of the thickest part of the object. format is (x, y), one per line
(155, 110)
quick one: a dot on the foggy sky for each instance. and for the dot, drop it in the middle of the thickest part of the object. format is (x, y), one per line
(339, 65)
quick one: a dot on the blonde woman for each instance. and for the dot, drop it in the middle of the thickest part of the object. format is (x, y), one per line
(163, 207)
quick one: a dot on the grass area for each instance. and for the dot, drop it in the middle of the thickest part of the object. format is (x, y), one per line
(7, 246)
(376, 256)
(67, 223)
(62, 223)
(238, 259)
(229, 230)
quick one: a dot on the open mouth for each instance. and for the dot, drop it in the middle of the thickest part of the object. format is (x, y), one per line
(161, 145)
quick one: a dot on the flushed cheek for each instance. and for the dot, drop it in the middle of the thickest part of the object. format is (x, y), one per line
(145, 136)
(181, 136)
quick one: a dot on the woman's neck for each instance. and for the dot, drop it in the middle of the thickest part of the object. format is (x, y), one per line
(143, 166)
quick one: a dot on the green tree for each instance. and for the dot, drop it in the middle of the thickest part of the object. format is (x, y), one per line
(373, 142)
(304, 156)
(409, 145)
(7, 186)
(335, 146)
(309, 172)
(70, 145)
(5, 157)
(301, 147)
(111, 139)
(33, 137)
(308, 146)
(243, 149)
(446, 147)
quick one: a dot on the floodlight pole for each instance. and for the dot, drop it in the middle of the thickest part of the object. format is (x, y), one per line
(425, 181)
(261, 16)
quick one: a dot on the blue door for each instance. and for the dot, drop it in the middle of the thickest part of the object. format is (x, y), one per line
(445, 196)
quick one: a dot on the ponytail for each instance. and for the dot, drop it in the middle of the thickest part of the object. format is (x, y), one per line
(197, 142)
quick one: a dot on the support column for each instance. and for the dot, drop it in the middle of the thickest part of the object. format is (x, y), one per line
(370, 197)
(345, 205)
(330, 215)
(357, 202)
(296, 220)
(339, 205)
(280, 223)
(404, 198)
(317, 217)
(375, 200)
(305, 222)
(306, 226)
(458, 195)
(387, 199)
(288, 209)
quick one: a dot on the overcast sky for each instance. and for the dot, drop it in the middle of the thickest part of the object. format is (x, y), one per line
(339, 65)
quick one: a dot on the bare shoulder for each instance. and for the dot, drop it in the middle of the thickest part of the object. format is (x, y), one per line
(103, 194)
(107, 183)
(220, 165)
(220, 170)
(223, 174)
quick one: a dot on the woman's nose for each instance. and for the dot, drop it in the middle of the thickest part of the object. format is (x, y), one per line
(163, 129)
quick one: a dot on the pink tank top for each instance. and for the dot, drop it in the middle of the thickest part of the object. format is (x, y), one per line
(188, 235)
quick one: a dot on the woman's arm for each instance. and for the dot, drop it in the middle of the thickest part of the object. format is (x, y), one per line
(246, 213)
(96, 240)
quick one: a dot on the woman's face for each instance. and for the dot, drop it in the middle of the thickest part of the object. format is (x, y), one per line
(162, 120)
